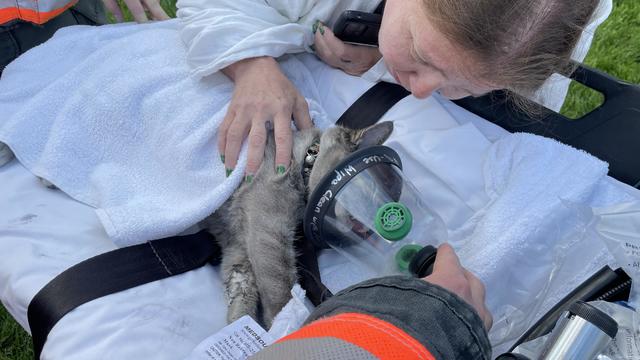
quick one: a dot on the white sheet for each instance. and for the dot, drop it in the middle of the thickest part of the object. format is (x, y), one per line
(46, 232)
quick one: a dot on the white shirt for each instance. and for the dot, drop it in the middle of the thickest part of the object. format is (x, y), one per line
(218, 33)
(221, 32)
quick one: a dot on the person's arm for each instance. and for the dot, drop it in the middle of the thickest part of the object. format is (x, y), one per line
(242, 38)
(440, 317)
(221, 32)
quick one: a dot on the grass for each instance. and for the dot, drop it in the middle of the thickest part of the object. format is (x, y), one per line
(616, 50)
(15, 344)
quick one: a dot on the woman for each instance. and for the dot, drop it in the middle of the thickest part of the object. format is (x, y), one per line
(457, 48)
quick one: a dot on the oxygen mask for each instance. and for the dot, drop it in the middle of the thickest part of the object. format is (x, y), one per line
(369, 212)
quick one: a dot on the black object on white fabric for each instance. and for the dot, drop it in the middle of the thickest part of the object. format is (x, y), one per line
(372, 105)
(115, 271)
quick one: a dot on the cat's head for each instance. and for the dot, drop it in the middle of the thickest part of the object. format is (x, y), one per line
(338, 142)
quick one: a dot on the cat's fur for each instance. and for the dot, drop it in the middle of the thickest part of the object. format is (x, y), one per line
(256, 226)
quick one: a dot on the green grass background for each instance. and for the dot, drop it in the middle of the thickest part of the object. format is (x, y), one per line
(616, 50)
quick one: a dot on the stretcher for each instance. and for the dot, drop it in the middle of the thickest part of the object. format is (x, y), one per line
(46, 232)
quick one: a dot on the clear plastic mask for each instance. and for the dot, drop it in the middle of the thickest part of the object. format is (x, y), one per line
(377, 218)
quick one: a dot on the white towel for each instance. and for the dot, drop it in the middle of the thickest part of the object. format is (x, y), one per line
(134, 139)
(529, 229)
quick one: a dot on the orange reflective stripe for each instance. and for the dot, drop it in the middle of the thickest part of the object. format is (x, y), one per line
(380, 338)
(34, 16)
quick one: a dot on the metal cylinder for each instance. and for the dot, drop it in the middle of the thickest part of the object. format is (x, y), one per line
(582, 334)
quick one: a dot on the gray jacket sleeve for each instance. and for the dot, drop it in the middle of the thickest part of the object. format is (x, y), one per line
(442, 322)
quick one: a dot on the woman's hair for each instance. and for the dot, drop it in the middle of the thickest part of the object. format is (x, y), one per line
(517, 43)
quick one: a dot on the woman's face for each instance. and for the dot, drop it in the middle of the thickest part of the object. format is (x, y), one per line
(421, 59)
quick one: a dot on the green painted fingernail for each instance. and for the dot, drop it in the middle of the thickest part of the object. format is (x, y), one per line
(280, 169)
(248, 179)
(314, 27)
(321, 29)
(222, 158)
(229, 171)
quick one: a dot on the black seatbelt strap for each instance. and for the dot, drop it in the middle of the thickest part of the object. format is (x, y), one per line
(128, 267)
(308, 269)
(372, 105)
(115, 271)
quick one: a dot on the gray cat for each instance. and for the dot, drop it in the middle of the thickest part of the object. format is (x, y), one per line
(256, 226)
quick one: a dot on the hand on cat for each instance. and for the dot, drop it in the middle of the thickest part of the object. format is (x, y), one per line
(449, 274)
(262, 94)
(138, 9)
(352, 59)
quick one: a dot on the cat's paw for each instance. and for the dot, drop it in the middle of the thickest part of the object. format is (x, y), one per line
(6, 154)
(241, 293)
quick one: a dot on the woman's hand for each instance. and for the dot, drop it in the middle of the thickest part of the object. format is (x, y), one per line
(352, 59)
(262, 98)
(449, 274)
(138, 9)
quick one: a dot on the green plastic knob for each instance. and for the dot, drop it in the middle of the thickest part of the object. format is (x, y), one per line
(405, 255)
(393, 221)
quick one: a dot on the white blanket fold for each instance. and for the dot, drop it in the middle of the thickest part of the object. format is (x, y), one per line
(134, 135)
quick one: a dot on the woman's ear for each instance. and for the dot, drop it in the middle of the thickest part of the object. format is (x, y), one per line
(374, 135)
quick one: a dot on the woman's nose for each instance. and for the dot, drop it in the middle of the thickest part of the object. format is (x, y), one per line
(422, 87)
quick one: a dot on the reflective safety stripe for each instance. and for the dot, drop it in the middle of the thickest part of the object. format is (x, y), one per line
(377, 337)
(35, 11)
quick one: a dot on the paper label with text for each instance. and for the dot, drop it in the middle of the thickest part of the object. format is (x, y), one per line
(236, 341)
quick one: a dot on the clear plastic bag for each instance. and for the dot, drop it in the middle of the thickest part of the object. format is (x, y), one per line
(619, 228)
(601, 236)
(595, 238)
(566, 255)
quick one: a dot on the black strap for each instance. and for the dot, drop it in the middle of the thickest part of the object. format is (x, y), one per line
(115, 271)
(372, 105)
(309, 270)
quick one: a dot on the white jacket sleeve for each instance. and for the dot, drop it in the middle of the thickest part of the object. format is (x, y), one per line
(218, 33)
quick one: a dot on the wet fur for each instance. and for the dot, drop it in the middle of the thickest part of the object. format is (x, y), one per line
(256, 226)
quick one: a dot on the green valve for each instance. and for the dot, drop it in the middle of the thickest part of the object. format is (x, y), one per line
(393, 221)
(405, 255)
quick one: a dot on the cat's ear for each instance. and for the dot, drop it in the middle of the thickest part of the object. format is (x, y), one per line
(374, 134)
